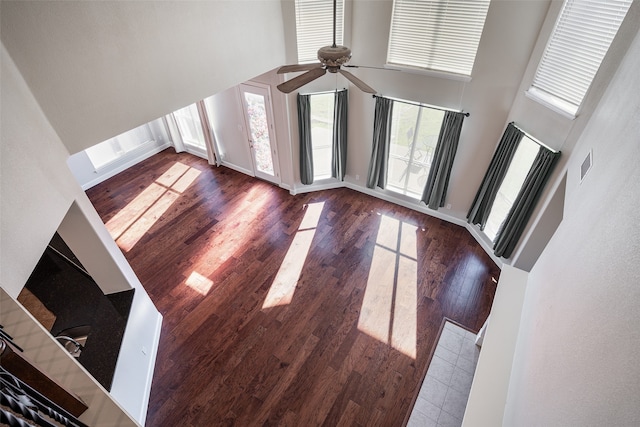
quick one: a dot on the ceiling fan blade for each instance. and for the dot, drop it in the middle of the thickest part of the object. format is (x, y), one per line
(356, 81)
(369, 67)
(301, 80)
(298, 67)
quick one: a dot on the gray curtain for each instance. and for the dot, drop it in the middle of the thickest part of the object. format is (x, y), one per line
(377, 174)
(524, 204)
(339, 151)
(481, 206)
(435, 189)
(304, 130)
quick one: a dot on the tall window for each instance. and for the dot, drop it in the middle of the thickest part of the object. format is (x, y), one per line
(438, 35)
(322, 112)
(414, 135)
(580, 40)
(314, 26)
(112, 149)
(190, 126)
(511, 185)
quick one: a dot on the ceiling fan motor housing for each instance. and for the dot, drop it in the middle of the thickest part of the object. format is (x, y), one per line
(334, 56)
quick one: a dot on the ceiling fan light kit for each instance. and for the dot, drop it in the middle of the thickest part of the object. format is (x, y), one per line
(333, 57)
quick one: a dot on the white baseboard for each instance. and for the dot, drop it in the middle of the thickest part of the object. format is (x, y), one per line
(405, 203)
(475, 232)
(237, 168)
(123, 164)
(300, 189)
(151, 369)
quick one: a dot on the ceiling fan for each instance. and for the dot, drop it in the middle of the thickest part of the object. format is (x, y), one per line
(331, 58)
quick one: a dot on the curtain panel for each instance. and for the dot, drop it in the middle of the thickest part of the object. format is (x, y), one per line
(377, 174)
(486, 195)
(435, 190)
(524, 204)
(339, 150)
(304, 131)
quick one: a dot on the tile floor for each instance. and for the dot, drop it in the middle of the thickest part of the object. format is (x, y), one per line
(443, 396)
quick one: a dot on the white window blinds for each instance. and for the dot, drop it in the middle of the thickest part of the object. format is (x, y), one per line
(581, 38)
(440, 35)
(314, 26)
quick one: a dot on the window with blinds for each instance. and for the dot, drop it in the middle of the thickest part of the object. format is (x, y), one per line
(437, 35)
(580, 40)
(314, 27)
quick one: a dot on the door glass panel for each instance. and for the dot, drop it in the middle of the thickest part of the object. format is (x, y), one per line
(259, 129)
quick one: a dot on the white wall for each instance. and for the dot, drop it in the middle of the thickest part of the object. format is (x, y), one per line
(88, 176)
(558, 131)
(98, 69)
(225, 114)
(576, 357)
(36, 186)
(485, 407)
(40, 196)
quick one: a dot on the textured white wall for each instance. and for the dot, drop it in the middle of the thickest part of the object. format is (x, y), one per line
(488, 394)
(39, 196)
(36, 186)
(87, 175)
(576, 357)
(558, 131)
(99, 69)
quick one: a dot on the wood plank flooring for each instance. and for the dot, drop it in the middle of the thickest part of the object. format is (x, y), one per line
(343, 337)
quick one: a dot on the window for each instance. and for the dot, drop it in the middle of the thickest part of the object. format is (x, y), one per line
(581, 38)
(414, 135)
(511, 185)
(438, 35)
(322, 112)
(112, 149)
(314, 26)
(190, 126)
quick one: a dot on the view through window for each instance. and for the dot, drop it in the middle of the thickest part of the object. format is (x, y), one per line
(190, 126)
(511, 185)
(414, 135)
(322, 111)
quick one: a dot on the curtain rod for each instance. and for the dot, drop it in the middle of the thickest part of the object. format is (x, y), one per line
(325, 92)
(536, 140)
(420, 104)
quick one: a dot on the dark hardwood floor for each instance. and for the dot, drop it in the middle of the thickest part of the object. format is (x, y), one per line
(218, 251)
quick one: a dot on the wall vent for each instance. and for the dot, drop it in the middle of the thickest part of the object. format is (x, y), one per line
(586, 166)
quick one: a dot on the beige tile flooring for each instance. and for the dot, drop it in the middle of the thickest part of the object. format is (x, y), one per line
(443, 396)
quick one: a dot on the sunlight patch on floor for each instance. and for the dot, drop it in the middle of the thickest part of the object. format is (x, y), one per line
(199, 283)
(389, 307)
(284, 285)
(132, 222)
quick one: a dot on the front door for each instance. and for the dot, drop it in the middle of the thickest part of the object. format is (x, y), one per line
(256, 104)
